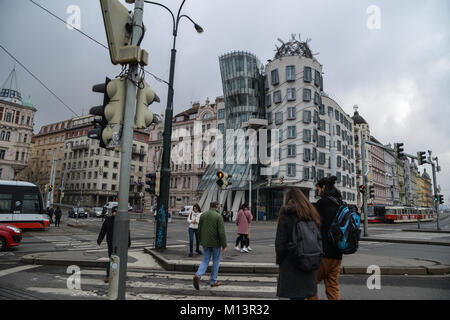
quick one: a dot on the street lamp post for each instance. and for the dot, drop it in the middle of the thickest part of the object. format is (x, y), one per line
(163, 198)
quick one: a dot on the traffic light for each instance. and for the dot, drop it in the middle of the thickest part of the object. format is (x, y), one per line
(145, 97)
(398, 147)
(152, 183)
(421, 157)
(50, 188)
(436, 198)
(441, 199)
(222, 180)
(99, 121)
(114, 111)
(362, 188)
(371, 192)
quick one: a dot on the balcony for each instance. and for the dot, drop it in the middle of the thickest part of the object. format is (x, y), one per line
(81, 146)
(139, 152)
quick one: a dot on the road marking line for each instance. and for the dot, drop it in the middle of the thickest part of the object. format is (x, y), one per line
(17, 269)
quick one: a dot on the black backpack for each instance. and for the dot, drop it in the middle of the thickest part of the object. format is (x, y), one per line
(305, 247)
(344, 231)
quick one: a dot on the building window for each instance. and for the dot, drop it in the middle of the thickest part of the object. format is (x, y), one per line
(274, 77)
(221, 114)
(268, 100)
(291, 94)
(291, 150)
(2, 154)
(306, 94)
(322, 141)
(307, 74)
(306, 135)
(292, 132)
(277, 96)
(290, 73)
(305, 173)
(269, 117)
(322, 125)
(317, 78)
(339, 161)
(320, 174)
(279, 118)
(291, 169)
(306, 154)
(322, 158)
(306, 116)
(291, 113)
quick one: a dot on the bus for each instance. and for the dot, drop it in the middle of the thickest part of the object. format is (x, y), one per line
(21, 205)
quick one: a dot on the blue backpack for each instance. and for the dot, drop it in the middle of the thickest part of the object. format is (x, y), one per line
(344, 231)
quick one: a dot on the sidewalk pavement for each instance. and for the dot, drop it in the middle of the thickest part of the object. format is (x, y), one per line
(261, 260)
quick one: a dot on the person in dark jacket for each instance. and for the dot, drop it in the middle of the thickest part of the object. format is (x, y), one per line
(292, 282)
(327, 207)
(58, 215)
(108, 230)
(50, 214)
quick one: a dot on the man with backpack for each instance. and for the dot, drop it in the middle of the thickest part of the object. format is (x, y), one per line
(327, 207)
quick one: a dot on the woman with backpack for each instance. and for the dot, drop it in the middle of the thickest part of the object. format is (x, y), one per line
(327, 206)
(293, 282)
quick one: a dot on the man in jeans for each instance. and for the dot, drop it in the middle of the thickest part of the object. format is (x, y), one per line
(212, 236)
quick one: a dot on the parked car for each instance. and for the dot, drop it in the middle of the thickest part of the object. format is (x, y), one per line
(78, 213)
(10, 236)
(111, 204)
(185, 211)
(96, 212)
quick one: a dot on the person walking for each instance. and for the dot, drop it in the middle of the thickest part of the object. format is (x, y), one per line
(58, 214)
(292, 282)
(211, 230)
(50, 214)
(193, 220)
(243, 220)
(108, 230)
(331, 263)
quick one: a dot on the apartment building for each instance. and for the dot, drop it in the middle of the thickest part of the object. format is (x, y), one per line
(91, 174)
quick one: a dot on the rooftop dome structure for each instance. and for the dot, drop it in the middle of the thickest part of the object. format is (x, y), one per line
(293, 48)
(357, 119)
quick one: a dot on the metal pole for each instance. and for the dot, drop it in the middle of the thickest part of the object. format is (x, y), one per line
(436, 203)
(122, 219)
(250, 189)
(163, 198)
(364, 181)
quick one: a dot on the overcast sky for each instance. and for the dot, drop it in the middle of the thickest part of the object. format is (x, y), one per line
(398, 74)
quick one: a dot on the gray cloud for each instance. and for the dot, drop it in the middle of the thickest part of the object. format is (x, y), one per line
(398, 75)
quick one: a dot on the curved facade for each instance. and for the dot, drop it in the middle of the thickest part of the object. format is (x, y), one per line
(241, 82)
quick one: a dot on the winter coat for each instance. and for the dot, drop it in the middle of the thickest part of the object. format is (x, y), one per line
(58, 213)
(211, 230)
(327, 210)
(108, 230)
(292, 282)
(194, 216)
(243, 220)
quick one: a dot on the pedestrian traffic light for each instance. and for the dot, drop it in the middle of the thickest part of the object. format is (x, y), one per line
(362, 188)
(152, 183)
(99, 121)
(436, 198)
(145, 96)
(421, 157)
(441, 199)
(50, 188)
(114, 111)
(398, 147)
(371, 192)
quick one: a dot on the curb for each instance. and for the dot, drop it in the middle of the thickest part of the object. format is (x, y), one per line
(33, 259)
(427, 230)
(270, 268)
(434, 243)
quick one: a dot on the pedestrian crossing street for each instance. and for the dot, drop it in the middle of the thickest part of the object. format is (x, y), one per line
(163, 285)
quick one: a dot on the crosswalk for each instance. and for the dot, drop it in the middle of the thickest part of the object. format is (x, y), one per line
(163, 285)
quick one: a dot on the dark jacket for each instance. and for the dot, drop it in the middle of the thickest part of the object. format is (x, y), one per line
(292, 282)
(211, 230)
(108, 230)
(58, 213)
(327, 210)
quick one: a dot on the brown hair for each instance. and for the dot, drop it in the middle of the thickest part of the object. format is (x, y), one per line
(304, 209)
(197, 206)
